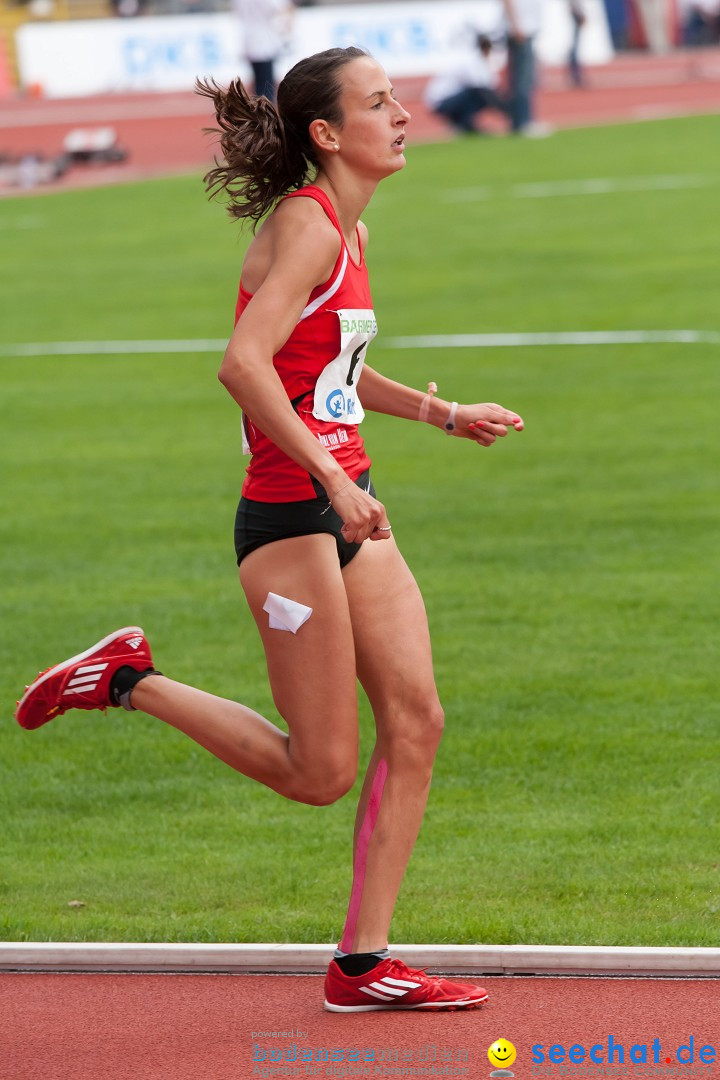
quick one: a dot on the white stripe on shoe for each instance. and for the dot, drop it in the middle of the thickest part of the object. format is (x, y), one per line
(388, 989)
(374, 993)
(85, 678)
(80, 688)
(389, 981)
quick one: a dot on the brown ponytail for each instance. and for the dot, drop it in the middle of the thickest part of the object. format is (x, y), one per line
(268, 151)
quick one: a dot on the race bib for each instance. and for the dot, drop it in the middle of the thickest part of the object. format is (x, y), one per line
(336, 400)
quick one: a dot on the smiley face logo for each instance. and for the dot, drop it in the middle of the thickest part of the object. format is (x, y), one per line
(501, 1054)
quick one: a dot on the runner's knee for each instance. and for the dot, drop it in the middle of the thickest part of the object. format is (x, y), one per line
(414, 734)
(430, 726)
(323, 778)
(316, 790)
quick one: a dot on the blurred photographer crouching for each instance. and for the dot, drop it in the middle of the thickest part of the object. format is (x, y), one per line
(471, 87)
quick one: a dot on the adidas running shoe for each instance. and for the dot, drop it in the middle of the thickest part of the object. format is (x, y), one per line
(83, 681)
(392, 985)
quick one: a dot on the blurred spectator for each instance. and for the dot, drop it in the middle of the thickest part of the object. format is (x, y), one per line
(470, 88)
(126, 9)
(266, 29)
(577, 14)
(654, 17)
(523, 20)
(701, 22)
(617, 19)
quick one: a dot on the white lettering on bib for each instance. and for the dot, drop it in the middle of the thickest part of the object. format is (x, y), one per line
(336, 400)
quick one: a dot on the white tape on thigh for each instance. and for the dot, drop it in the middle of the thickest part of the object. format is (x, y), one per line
(286, 614)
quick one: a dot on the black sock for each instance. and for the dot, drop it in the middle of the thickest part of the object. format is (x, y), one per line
(360, 963)
(124, 682)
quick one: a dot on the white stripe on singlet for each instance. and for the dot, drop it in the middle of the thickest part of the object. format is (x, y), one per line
(329, 292)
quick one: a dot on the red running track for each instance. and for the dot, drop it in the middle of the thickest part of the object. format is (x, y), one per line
(200, 1027)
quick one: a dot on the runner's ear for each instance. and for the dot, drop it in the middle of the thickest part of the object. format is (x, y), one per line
(322, 136)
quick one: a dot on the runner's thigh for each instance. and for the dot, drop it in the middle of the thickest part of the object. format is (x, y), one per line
(312, 673)
(392, 640)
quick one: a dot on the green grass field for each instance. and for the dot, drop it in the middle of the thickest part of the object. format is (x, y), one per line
(570, 573)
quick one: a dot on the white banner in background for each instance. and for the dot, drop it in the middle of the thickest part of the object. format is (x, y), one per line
(72, 59)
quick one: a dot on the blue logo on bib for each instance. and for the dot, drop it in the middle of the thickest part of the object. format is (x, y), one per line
(335, 404)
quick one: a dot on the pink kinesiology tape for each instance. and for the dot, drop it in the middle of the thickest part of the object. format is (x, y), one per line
(361, 852)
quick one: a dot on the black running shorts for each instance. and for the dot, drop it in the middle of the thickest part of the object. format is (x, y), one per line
(258, 523)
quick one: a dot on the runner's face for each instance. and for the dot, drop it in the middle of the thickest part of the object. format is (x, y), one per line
(372, 136)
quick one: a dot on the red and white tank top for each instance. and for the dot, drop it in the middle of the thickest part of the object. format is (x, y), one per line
(319, 366)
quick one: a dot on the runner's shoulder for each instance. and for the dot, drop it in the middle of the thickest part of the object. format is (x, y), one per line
(302, 231)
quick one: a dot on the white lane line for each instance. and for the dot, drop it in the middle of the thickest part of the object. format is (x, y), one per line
(609, 186)
(598, 185)
(422, 341)
(574, 337)
(113, 348)
(21, 223)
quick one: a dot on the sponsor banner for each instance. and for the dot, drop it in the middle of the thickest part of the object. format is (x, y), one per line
(100, 56)
(71, 59)
(423, 38)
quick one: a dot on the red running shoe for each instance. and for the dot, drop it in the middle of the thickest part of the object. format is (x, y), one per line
(392, 985)
(83, 681)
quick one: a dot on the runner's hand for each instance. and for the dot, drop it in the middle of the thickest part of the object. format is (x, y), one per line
(485, 423)
(363, 516)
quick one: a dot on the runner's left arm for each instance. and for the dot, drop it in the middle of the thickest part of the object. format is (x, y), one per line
(483, 423)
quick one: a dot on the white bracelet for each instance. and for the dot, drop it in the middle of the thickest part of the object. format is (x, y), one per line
(450, 422)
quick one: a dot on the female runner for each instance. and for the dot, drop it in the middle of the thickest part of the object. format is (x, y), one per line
(333, 599)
